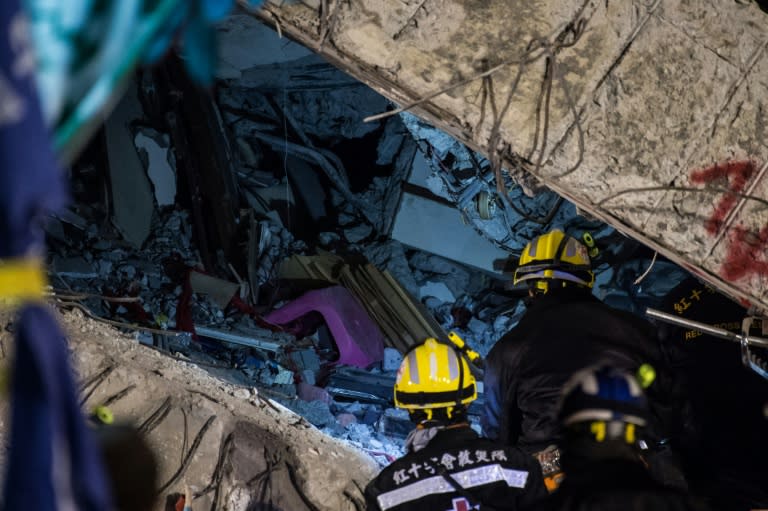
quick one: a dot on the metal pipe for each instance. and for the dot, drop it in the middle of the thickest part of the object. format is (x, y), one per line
(704, 328)
(240, 339)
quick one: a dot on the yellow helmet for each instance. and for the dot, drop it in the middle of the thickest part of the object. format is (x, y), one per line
(434, 375)
(555, 255)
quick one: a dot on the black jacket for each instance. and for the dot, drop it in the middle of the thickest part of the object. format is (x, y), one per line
(724, 447)
(500, 478)
(616, 486)
(559, 334)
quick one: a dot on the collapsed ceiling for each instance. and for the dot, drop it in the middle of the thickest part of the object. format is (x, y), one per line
(649, 116)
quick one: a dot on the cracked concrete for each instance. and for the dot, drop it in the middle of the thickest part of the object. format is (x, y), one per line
(643, 95)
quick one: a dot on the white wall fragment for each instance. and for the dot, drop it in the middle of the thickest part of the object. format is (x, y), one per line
(159, 164)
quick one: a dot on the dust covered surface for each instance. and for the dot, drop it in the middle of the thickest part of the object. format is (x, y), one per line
(235, 449)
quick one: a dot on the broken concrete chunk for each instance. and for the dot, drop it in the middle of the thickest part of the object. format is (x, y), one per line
(309, 392)
(345, 419)
(283, 377)
(316, 412)
(346, 219)
(438, 290)
(326, 238)
(395, 422)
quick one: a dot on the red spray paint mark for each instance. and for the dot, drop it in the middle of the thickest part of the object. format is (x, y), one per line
(746, 254)
(737, 173)
(745, 250)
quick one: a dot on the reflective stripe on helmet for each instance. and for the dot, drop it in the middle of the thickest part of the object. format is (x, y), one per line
(446, 398)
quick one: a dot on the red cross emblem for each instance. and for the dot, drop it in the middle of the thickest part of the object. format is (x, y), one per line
(461, 504)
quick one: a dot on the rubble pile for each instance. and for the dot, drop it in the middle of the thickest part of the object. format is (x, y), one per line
(253, 256)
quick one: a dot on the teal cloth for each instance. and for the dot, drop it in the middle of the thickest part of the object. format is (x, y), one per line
(88, 49)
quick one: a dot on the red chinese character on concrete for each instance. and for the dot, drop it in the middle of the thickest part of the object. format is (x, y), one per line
(745, 249)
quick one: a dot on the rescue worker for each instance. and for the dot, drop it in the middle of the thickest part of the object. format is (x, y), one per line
(725, 452)
(603, 414)
(449, 467)
(564, 329)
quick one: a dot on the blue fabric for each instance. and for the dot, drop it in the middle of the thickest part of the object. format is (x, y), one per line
(48, 431)
(30, 182)
(44, 406)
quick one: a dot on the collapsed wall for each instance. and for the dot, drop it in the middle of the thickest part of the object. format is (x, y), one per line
(233, 447)
(648, 115)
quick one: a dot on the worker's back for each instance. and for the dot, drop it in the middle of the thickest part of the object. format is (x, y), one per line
(616, 486)
(561, 333)
(726, 454)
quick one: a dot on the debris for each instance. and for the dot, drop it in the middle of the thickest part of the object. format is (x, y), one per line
(159, 163)
(392, 359)
(438, 290)
(358, 233)
(309, 392)
(305, 360)
(221, 291)
(415, 226)
(395, 422)
(345, 419)
(274, 343)
(391, 141)
(308, 376)
(363, 386)
(73, 268)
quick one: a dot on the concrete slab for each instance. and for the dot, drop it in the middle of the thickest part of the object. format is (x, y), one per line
(642, 94)
(132, 197)
(415, 226)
